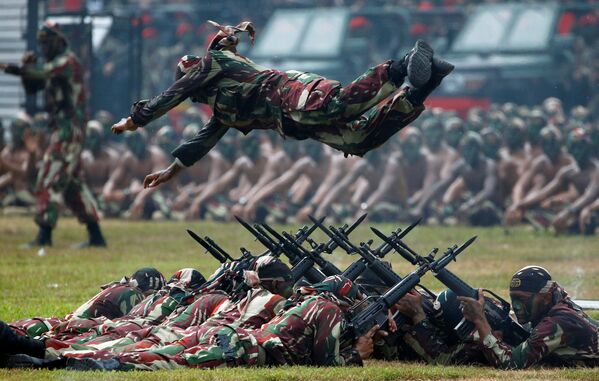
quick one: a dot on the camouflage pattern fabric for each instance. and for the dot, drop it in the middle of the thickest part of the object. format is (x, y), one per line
(115, 300)
(246, 96)
(566, 336)
(59, 179)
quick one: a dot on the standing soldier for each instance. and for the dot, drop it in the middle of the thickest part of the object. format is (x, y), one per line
(59, 178)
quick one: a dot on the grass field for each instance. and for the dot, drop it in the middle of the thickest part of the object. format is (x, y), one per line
(56, 283)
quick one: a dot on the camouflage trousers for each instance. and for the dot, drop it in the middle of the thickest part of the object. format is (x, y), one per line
(59, 181)
(216, 347)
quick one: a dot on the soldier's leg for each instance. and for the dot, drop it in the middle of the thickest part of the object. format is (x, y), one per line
(80, 200)
(34, 327)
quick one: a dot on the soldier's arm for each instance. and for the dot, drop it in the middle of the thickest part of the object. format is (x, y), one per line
(109, 191)
(325, 350)
(355, 172)
(488, 187)
(524, 182)
(282, 182)
(553, 186)
(439, 187)
(33, 76)
(334, 174)
(392, 172)
(545, 338)
(274, 166)
(201, 76)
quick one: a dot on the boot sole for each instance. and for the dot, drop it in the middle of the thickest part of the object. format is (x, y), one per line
(420, 64)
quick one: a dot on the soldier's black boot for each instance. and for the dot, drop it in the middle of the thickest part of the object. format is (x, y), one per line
(85, 364)
(12, 343)
(96, 239)
(44, 238)
(440, 70)
(416, 65)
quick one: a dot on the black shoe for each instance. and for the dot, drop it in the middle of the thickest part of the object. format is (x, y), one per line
(44, 238)
(419, 66)
(85, 364)
(96, 239)
(440, 69)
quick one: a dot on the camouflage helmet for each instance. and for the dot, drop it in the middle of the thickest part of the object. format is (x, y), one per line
(187, 279)
(148, 278)
(579, 145)
(410, 143)
(454, 131)
(470, 147)
(515, 134)
(93, 134)
(491, 142)
(18, 127)
(551, 141)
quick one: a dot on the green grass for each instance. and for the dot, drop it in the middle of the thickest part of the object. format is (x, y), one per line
(55, 284)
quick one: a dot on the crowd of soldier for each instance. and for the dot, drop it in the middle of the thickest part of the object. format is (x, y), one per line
(261, 318)
(506, 165)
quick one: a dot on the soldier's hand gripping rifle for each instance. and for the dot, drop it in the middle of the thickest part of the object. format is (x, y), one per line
(496, 311)
(377, 312)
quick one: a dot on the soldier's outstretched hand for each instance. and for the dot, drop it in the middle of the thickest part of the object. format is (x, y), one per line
(125, 124)
(365, 344)
(154, 179)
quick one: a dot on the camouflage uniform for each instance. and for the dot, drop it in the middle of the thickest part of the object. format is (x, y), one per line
(565, 336)
(246, 96)
(115, 300)
(59, 178)
(257, 308)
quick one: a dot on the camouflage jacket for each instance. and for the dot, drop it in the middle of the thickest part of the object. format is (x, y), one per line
(246, 96)
(65, 97)
(565, 336)
(199, 311)
(306, 333)
(114, 301)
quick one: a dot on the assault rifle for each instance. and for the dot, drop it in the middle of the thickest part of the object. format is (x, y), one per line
(377, 312)
(497, 311)
(369, 258)
(272, 248)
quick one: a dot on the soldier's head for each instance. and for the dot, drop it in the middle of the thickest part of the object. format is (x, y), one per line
(227, 39)
(227, 146)
(533, 293)
(18, 129)
(94, 136)
(167, 139)
(410, 143)
(514, 134)
(51, 40)
(187, 279)
(491, 143)
(536, 122)
(471, 148)
(454, 131)
(274, 275)
(136, 143)
(551, 142)
(148, 279)
(185, 65)
(579, 146)
(433, 133)
(339, 288)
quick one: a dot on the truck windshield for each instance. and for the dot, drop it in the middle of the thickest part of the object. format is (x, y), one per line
(303, 33)
(506, 29)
